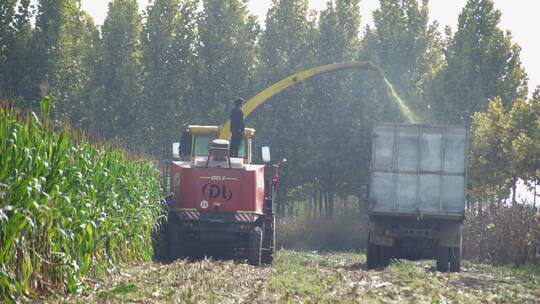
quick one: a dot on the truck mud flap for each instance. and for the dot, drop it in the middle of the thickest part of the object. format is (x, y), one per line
(450, 234)
(384, 241)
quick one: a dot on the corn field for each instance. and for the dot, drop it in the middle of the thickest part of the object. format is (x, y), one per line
(68, 209)
(503, 234)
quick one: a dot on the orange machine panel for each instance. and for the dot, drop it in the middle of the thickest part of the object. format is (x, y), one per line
(218, 189)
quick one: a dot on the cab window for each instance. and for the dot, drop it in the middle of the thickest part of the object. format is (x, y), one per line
(202, 142)
(185, 145)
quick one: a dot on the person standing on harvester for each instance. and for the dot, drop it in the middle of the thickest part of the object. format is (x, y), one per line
(237, 127)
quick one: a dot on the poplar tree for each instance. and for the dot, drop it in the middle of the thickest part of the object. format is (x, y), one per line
(167, 57)
(76, 70)
(15, 60)
(7, 13)
(287, 46)
(227, 54)
(489, 154)
(408, 49)
(524, 134)
(504, 149)
(482, 63)
(332, 100)
(120, 110)
(64, 40)
(287, 41)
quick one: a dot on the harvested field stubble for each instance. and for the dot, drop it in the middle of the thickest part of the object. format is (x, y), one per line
(311, 277)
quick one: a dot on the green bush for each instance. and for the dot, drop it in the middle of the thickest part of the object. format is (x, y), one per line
(68, 208)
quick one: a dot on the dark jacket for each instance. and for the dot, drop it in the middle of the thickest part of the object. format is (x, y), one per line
(237, 120)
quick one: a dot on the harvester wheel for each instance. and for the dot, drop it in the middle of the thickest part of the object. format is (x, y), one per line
(255, 247)
(175, 240)
(442, 258)
(455, 259)
(372, 256)
(268, 254)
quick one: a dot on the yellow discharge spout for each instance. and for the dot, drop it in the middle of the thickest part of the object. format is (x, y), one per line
(257, 100)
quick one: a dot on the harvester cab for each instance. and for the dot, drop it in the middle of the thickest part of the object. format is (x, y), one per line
(220, 204)
(218, 154)
(197, 140)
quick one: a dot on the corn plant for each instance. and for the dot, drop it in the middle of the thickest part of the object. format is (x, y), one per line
(68, 208)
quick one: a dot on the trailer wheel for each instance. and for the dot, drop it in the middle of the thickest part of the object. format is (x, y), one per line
(372, 256)
(255, 247)
(175, 240)
(442, 258)
(455, 259)
(385, 254)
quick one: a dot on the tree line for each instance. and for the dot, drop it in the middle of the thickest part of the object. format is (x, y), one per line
(140, 77)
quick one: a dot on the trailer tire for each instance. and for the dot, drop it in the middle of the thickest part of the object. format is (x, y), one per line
(175, 240)
(372, 256)
(385, 254)
(255, 247)
(442, 258)
(455, 259)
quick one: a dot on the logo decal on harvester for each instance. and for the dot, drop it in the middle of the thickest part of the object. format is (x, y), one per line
(204, 204)
(218, 178)
(212, 191)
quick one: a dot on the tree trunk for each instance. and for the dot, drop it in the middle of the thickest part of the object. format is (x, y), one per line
(320, 202)
(309, 207)
(291, 208)
(480, 207)
(331, 203)
(534, 194)
(514, 188)
(326, 205)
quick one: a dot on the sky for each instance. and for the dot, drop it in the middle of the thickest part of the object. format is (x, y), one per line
(518, 16)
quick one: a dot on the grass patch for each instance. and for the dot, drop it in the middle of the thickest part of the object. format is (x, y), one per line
(530, 270)
(120, 291)
(298, 274)
(406, 269)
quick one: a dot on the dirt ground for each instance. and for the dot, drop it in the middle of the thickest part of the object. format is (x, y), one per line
(310, 277)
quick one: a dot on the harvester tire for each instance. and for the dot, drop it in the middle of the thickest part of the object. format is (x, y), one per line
(455, 259)
(175, 240)
(267, 257)
(442, 258)
(255, 247)
(372, 255)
